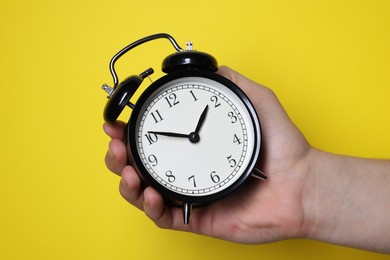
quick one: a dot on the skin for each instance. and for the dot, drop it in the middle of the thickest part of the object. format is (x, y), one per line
(309, 193)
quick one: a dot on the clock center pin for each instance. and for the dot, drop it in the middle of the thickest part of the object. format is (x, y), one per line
(194, 137)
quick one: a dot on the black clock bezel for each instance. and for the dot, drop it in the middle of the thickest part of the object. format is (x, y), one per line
(135, 160)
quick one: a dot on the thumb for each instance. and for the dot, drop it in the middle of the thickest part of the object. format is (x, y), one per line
(235, 77)
(258, 94)
(271, 113)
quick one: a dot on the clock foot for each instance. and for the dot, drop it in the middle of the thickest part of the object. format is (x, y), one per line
(186, 213)
(259, 174)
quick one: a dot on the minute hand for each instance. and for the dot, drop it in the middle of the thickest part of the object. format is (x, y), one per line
(169, 134)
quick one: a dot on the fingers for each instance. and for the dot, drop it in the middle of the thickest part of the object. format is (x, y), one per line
(148, 200)
(163, 215)
(156, 209)
(130, 187)
(115, 130)
(116, 157)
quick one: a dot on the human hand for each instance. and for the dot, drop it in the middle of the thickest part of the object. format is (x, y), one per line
(260, 211)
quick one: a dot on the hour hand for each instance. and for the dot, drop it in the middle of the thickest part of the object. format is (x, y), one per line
(201, 119)
(169, 134)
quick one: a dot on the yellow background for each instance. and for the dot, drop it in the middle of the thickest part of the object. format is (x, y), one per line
(328, 61)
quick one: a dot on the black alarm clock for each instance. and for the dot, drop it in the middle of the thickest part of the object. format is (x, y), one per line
(193, 135)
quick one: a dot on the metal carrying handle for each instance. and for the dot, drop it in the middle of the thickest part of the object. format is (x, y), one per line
(135, 44)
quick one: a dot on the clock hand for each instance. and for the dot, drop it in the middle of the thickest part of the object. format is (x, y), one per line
(201, 119)
(169, 134)
(193, 136)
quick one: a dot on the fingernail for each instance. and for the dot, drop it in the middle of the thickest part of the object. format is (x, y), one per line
(146, 201)
(106, 128)
(111, 154)
(123, 183)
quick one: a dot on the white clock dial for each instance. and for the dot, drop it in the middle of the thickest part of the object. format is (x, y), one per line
(223, 146)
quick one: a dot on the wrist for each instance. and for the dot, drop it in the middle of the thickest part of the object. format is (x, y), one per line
(318, 199)
(342, 206)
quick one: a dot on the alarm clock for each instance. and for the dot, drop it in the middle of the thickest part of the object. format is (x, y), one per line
(193, 135)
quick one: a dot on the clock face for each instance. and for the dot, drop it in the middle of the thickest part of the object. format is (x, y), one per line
(194, 138)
